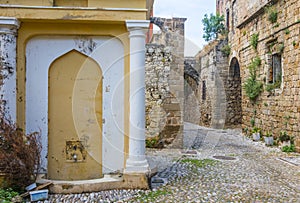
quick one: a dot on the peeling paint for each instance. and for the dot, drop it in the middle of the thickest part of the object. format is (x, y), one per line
(69, 17)
(85, 44)
(7, 44)
(40, 53)
(8, 73)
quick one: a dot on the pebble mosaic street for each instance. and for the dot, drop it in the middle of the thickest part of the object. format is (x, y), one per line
(229, 168)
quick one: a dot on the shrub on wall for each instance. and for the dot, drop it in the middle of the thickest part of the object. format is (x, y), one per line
(226, 49)
(272, 14)
(254, 40)
(252, 87)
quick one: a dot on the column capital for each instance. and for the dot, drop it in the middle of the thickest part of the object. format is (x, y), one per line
(137, 24)
(9, 25)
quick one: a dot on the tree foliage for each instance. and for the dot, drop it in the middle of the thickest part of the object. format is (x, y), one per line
(213, 25)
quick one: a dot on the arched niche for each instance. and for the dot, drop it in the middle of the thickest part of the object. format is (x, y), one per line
(74, 118)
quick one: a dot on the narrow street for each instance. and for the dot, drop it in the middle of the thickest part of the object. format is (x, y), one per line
(242, 170)
(229, 168)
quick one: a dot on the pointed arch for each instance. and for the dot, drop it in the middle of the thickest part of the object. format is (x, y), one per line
(234, 95)
(74, 118)
(234, 68)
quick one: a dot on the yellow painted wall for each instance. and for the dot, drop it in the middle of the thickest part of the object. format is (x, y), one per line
(72, 14)
(80, 3)
(75, 118)
(41, 17)
(31, 29)
(28, 2)
(75, 3)
(76, 10)
(117, 3)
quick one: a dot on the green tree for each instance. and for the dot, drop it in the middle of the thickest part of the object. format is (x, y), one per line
(213, 26)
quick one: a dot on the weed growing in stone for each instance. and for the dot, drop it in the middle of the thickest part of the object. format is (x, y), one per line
(272, 14)
(252, 122)
(151, 143)
(226, 50)
(254, 40)
(288, 149)
(252, 87)
(152, 195)
(287, 31)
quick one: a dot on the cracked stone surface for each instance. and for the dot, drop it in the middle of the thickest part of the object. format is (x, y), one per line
(257, 174)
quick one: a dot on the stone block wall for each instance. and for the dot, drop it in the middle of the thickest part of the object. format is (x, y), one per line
(280, 109)
(191, 95)
(205, 102)
(158, 61)
(165, 69)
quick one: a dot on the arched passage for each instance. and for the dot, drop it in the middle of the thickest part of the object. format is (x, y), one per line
(75, 118)
(234, 95)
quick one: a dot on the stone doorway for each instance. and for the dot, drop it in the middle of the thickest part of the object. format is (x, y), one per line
(75, 118)
(234, 95)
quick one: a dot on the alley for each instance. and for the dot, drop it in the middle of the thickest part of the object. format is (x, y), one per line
(241, 171)
(229, 168)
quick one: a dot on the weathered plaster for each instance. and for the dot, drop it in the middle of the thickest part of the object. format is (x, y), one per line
(8, 33)
(41, 52)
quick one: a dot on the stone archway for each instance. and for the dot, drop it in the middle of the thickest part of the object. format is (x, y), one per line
(234, 95)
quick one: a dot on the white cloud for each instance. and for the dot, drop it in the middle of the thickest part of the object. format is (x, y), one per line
(194, 11)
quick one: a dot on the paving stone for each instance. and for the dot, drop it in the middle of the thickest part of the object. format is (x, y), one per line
(257, 174)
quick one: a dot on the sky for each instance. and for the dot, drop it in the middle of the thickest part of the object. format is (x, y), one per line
(194, 11)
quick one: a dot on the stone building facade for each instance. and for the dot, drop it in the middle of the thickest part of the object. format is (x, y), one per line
(191, 85)
(274, 26)
(165, 83)
(212, 98)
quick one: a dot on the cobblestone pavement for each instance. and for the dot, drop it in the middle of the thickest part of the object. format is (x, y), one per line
(229, 168)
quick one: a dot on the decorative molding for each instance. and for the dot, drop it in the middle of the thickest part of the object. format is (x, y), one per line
(9, 25)
(137, 24)
(74, 8)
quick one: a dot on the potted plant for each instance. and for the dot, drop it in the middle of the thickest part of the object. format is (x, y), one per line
(256, 133)
(284, 138)
(269, 140)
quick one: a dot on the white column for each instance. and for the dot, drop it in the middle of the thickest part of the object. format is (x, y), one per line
(136, 161)
(8, 43)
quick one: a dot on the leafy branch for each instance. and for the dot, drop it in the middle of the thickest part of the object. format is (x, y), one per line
(254, 40)
(213, 25)
(252, 87)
